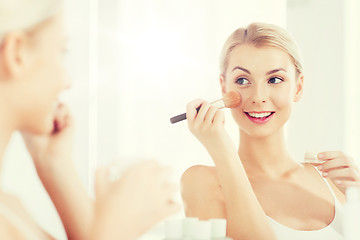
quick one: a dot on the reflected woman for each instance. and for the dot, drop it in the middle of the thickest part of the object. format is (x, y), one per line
(32, 76)
(258, 186)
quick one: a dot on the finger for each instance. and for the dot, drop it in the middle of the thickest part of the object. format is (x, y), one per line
(342, 174)
(191, 111)
(219, 118)
(347, 183)
(58, 117)
(315, 164)
(330, 155)
(62, 118)
(209, 118)
(340, 162)
(66, 116)
(200, 118)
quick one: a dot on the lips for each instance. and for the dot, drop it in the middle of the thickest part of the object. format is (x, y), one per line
(260, 117)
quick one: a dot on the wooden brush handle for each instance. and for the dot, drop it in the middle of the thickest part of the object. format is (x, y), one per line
(181, 117)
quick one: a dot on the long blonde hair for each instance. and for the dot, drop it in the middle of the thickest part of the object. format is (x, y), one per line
(261, 35)
(16, 15)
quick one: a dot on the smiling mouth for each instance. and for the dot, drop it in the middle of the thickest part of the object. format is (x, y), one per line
(260, 116)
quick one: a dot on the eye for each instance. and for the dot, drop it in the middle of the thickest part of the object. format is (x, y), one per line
(275, 80)
(242, 81)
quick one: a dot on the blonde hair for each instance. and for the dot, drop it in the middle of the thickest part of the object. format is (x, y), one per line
(261, 35)
(18, 15)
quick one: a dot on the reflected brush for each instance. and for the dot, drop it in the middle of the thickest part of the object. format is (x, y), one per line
(230, 100)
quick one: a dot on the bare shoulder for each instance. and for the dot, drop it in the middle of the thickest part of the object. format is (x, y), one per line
(338, 193)
(201, 191)
(200, 174)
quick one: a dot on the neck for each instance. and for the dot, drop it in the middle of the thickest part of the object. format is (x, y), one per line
(267, 156)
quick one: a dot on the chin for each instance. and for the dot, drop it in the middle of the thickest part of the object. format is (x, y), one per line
(258, 134)
(41, 130)
(261, 131)
(45, 127)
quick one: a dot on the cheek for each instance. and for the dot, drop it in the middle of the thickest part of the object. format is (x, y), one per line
(283, 97)
(238, 115)
(282, 100)
(54, 76)
(229, 86)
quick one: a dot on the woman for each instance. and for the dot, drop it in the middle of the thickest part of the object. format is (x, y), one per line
(258, 187)
(32, 43)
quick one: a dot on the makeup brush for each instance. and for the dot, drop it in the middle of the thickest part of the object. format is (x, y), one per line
(230, 100)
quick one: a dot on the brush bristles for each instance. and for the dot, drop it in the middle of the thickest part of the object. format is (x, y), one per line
(232, 99)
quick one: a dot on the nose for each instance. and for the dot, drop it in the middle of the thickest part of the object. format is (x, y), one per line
(259, 95)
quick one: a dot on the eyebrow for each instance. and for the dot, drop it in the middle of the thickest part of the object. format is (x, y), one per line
(268, 73)
(242, 69)
(275, 70)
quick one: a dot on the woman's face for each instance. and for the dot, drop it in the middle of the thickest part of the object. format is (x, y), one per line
(44, 77)
(268, 84)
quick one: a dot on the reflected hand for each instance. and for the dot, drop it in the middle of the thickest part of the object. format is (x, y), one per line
(340, 168)
(57, 145)
(128, 207)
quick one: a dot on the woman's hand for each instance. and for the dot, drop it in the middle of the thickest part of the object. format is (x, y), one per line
(208, 126)
(340, 168)
(52, 156)
(126, 208)
(55, 146)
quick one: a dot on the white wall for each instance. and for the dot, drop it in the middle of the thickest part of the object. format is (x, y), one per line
(325, 119)
(19, 176)
(352, 84)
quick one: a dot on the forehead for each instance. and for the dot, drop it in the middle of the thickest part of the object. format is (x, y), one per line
(259, 59)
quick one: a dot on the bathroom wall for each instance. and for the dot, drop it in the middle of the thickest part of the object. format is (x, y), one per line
(326, 118)
(18, 175)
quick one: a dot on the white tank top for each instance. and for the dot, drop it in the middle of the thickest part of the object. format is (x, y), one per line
(331, 232)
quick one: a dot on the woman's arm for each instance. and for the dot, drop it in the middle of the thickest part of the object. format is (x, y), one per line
(72, 202)
(52, 156)
(245, 216)
(201, 193)
(124, 209)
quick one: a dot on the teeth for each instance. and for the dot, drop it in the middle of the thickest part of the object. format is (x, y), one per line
(260, 115)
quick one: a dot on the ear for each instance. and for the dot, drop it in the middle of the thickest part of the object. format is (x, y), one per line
(223, 84)
(299, 87)
(13, 54)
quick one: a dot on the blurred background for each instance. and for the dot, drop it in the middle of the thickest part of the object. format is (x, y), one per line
(135, 64)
